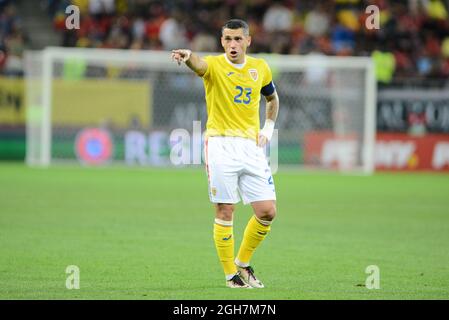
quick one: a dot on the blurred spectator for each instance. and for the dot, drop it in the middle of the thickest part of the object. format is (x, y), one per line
(416, 119)
(15, 47)
(343, 39)
(445, 47)
(172, 32)
(424, 63)
(436, 9)
(12, 40)
(9, 20)
(138, 29)
(317, 22)
(119, 34)
(278, 22)
(385, 64)
(278, 18)
(204, 42)
(100, 7)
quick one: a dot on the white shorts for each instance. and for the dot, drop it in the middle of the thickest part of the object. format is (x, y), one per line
(237, 167)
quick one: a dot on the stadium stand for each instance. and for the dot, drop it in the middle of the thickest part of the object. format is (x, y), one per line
(286, 27)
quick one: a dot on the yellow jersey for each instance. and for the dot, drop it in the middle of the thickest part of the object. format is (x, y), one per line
(233, 95)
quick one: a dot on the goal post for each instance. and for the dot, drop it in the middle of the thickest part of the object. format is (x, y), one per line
(103, 106)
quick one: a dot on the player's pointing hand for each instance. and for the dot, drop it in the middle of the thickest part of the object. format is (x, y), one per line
(181, 55)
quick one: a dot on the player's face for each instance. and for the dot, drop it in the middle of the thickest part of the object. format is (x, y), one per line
(235, 43)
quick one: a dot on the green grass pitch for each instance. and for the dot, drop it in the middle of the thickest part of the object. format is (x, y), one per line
(147, 234)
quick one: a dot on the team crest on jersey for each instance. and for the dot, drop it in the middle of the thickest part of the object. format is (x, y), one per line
(253, 73)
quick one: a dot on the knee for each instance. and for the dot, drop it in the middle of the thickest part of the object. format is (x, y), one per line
(224, 211)
(267, 213)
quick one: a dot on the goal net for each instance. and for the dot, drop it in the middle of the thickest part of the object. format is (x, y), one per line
(101, 106)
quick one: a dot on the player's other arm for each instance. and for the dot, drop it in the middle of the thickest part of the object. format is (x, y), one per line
(192, 60)
(272, 109)
(272, 106)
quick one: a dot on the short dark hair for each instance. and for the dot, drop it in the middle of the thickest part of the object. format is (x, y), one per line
(236, 24)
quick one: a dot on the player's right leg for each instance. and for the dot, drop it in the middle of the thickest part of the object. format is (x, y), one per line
(222, 172)
(224, 243)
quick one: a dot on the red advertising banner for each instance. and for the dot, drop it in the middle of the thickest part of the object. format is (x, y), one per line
(326, 149)
(393, 151)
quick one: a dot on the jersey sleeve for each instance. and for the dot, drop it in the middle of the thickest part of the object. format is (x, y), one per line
(268, 87)
(267, 76)
(210, 65)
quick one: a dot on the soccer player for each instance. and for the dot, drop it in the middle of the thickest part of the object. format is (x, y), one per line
(235, 161)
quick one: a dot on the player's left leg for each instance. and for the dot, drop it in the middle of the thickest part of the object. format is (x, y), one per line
(256, 186)
(255, 232)
(259, 225)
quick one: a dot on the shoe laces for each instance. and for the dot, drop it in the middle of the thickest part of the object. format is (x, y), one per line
(250, 271)
(238, 280)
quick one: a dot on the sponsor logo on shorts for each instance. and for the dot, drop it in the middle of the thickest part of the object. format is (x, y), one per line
(213, 191)
(270, 180)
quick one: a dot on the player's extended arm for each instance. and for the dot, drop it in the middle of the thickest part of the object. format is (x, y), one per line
(272, 109)
(193, 61)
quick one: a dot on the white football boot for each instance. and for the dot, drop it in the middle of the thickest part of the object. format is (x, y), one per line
(236, 282)
(247, 275)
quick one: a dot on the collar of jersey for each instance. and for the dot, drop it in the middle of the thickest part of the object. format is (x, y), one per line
(237, 66)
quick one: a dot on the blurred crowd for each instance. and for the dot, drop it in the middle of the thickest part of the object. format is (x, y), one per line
(412, 40)
(12, 39)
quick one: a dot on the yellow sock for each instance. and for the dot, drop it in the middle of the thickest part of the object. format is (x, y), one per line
(224, 242)
(255, 232)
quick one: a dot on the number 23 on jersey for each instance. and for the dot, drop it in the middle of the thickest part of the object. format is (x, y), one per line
(243, 95)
